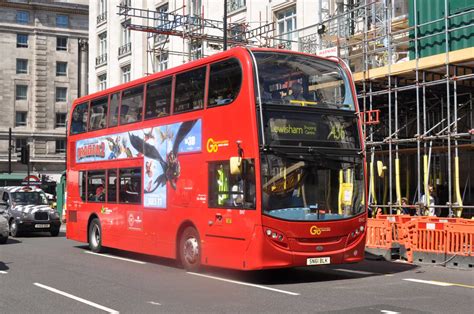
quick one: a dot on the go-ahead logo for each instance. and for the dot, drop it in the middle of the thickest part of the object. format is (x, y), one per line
(314, 230)
(213, 146)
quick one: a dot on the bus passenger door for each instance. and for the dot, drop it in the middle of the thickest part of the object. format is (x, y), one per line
(231, 217)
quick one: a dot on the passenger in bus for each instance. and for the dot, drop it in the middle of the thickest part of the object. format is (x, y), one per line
(77, 124)
(264, 94)
(100, 193)
(296, 92)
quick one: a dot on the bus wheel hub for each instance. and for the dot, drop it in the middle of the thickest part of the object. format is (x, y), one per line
(191, 250)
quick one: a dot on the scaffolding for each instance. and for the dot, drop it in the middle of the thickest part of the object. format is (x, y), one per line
(417, 108)
(423, 133)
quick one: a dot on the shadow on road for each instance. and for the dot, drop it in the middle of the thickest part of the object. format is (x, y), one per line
(3, 266)
(41, 235)
(12, 241)
(367, 268)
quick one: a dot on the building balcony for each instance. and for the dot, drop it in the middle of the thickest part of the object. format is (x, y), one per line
(125, 49)
(101, 18)
(101, 60)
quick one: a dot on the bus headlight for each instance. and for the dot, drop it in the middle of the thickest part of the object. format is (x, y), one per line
(277, 237)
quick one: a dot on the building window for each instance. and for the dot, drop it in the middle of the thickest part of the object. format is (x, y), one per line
(22, 40)
(234, 5)
(161, 62)
(196, 7)
(60, 146)
(196, 50)
(102, 55)
(102, 17)
(20, 118)
(22, 17)
(61, 94)
(126, 45)
(62, 21)
(61, 68)
(61, 43)
(161, 23)
(19, 143)
(21, 92)
(286, 24)
(126, 74)
(60, 120)
(21, 66)
(102, 82)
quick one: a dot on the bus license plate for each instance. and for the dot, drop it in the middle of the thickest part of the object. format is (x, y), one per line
(42, 226)
(318, 261)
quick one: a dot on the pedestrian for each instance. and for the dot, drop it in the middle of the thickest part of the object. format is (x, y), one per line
(405, 206)
(428, 202)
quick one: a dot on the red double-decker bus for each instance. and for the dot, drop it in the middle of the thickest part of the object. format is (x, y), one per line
(247, 159)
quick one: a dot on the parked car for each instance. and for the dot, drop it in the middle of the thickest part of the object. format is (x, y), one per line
(4, 229)
(28, 210)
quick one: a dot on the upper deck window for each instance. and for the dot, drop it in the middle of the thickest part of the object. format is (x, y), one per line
(132, 105)
(291, 79)
(224, 82)
(158, 98)
(189, 92)
(98, 114)
(79, 119)
(114, 108)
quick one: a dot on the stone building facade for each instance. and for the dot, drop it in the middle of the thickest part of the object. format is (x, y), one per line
(43, 53)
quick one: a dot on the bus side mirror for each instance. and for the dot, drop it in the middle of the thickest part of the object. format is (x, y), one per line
(235, 165)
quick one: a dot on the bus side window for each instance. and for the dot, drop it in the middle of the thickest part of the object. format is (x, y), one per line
(130, 185)
(224, 82)
(114, 108)
(132, 105)
(96, 186)
(189, 90)
(98, 114)
(158, 98)
(79, 119)
(82, 186)
(112, 186)
(226, 190)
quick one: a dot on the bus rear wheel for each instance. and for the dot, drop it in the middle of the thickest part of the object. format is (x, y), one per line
(95, 236)
(190, 249)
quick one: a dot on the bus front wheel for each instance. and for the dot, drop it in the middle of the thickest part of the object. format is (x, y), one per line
(190, 249)
(95, 236)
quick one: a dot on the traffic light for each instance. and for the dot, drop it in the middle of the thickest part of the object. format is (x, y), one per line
(25, 155)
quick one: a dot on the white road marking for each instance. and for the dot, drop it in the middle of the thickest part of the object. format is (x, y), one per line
(439, 283)
(389, 312)
(360, 272)
(116, 257)
(154, 303)
(245, 284)
(3, 272)
(98, 306)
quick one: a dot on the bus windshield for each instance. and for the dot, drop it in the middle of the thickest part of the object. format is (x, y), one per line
(292, 79)
(312, 187)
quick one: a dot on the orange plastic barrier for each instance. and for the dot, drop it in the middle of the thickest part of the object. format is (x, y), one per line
(430, 237)
(444, 241)
(379, 234)
(460, 239)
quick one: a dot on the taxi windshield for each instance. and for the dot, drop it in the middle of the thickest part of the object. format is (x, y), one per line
(29, 198)
(292, 79)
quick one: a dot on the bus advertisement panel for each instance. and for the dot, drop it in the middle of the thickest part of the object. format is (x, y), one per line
(159, 147)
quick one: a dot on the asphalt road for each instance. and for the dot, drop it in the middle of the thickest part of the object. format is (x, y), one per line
(40, 274)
